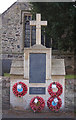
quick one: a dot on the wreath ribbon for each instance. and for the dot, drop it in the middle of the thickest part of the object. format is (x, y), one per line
(54, 106)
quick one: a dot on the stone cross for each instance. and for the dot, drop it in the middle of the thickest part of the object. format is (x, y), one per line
(38, 23)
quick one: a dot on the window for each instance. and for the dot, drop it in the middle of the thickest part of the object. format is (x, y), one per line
(33, 35)
(27, 32)
(30, 32)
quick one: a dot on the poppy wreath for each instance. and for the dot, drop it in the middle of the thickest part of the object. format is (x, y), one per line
(58, 93)
(20, 93)
(38, 105)
(54, 106)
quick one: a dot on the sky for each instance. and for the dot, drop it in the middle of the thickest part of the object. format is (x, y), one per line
(4, 4)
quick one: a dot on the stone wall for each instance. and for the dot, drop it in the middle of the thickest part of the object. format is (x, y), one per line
(68, 58)
(0, 34)
(12, 28)
(0, 21)
(5, 93)
(69, 94)
(7, 60)
(12, 41)
(0, 98)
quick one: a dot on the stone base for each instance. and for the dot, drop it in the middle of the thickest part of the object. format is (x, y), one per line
(24, 102)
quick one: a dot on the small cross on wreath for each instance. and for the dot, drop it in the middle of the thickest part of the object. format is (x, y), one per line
(37, 104)
(54, 104)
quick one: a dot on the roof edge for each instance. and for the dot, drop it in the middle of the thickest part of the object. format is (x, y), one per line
(8, 8)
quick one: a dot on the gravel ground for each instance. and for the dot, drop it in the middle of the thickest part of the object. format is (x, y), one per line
(31, 114)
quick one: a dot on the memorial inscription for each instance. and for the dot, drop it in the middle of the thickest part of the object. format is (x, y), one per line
(37, 68)
(37, 90)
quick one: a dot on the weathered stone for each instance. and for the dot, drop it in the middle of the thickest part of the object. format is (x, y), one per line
(58, 67)
(12, 28)
(69, 103)
(17, 71)
(38, 24)
(7, 85)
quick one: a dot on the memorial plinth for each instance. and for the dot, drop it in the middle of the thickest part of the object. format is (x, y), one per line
(37, 71)
(34, 57)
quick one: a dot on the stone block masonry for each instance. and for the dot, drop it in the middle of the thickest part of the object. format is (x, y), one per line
(7, 60)
(12, 42)
(0, 97)
(69, 94)
(68, 59)
(5, 93)
(12, 29)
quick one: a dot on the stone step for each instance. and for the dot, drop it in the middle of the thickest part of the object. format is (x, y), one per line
(17, 67)
(17, 71)
(17, 63)
(58, 67)
(58, 71)
(57, 62)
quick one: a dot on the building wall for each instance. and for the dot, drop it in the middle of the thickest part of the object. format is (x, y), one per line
(12, 28)
(0, 44)
(69, 60)
(0, 33)
(11, 34)
(12, 42)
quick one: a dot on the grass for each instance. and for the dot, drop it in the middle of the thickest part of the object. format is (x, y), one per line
(7, 74)
(70, 77)
(66, 76)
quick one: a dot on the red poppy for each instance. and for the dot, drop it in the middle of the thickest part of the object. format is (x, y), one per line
(16, 92)
(54, 106)
(37, 106)
(58, 93)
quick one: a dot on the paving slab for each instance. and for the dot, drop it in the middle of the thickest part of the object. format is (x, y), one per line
(31, 114)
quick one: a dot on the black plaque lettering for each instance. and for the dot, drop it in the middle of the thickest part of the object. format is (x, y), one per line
(37, 90)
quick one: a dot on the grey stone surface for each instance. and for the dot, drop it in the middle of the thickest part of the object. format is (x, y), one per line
(38, 23)
(5, 93)
(24, 102)
(58, 67)
(17, 67)
(38, 46)
(17, 63)
(0, 97)
(6, 65)
(68, 59)
(0, 21)
(37, 72)
(17, 71)
(12, 28)
(69, 90)
(12, 36)
(1, 67)
(0, 41)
